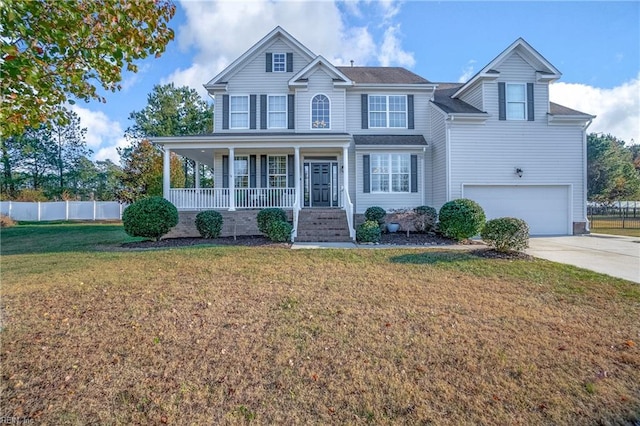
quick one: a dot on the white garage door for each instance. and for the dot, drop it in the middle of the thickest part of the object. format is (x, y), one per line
(545, 208)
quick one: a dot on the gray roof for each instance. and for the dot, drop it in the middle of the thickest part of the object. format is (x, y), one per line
(442, 98)
(557, 109)
(389, 140)
(382, 75)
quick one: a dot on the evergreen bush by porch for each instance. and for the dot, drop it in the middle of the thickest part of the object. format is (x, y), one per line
(376, 214)
(209, 223)
(150, 217)
(461, 219)
(506, 234)
(368, 232)
(267, 216)
(279, 231)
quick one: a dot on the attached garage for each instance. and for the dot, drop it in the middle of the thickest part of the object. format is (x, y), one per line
(546, 208)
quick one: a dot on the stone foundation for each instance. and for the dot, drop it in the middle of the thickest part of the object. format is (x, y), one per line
(580, 228)
(239, 222)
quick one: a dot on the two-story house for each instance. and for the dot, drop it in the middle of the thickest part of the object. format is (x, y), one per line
(296, 132)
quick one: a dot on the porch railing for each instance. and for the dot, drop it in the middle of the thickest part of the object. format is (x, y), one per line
(348, 207)
(218, 198)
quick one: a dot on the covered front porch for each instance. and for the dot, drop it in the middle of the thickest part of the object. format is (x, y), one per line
(288, 171)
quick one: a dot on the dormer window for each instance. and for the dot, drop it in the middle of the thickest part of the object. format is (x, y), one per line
(516, 101)
(279, 62)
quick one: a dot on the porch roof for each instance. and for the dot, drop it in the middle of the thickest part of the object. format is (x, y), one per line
(390, 140)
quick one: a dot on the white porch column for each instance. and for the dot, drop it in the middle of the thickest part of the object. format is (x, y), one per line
(166, 173)
(197, 174)
(232, 180)
(345, 168)
(296, 175)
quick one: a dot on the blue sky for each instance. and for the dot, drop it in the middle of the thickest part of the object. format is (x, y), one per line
(596, 45)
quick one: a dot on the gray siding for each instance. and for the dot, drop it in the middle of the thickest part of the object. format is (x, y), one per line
(474, 97)
(438, 159)
(320, 83)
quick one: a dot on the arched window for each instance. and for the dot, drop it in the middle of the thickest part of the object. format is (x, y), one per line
(320, 112)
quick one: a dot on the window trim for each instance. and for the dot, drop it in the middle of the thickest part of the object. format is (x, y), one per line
(231, 112)
(273, 62)
(524, 102)
(311, 112)
(286, 170)
(390, 173)
(285, 112)
(387, 111)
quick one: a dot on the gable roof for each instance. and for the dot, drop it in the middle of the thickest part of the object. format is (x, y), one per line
(382, 75)
(275, 33)
(545, 70)
(442, 98)
(320, 61)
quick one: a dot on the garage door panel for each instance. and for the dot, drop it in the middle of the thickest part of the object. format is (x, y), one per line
(544, 208)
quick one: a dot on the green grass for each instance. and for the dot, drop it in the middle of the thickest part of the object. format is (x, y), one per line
(58, 237)
(629, 232)
(238, 335)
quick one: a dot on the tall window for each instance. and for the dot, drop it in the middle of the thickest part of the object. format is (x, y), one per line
(277, 171)
(279, 62)
(239, 112)
(241, 171)
(390, 172)
(516, 101)
(388, 111)
(277, 112)
(320, 112)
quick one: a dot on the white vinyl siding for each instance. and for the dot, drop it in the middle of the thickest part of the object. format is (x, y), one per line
(320, 83)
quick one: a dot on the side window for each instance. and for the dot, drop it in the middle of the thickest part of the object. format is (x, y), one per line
(279, 62)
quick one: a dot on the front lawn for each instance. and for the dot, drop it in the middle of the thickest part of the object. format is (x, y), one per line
(237, 335)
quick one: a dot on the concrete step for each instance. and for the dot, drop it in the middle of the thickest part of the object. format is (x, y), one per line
(322, 225)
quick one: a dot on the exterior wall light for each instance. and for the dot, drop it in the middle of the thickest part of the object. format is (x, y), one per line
(519, 172)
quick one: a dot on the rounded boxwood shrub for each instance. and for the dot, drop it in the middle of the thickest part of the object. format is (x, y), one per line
(279, 231)
(506, 234)
(461, 219)
(150, 217)
(376, 214)
(426, 218)
(368, 232)
(267, 216)
(209, 223)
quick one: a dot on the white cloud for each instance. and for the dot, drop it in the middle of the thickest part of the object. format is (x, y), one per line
(222, 31)
(103, 135)
(467, 71)
(617, 109)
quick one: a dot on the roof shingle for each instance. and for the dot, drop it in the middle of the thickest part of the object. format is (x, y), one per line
(382, 75)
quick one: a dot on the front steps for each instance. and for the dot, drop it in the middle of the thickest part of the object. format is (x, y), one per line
(322, 225)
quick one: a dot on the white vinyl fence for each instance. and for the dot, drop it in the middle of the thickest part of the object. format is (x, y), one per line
(62, 210)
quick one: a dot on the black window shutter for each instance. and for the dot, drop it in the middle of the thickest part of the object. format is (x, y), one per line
(414, 173)
(263, 111)
(364, 101)
(263, 171)
(225, 111)
(502, 102)
(252, 171)
(291, 112)
(289, 62)
(269, 62)
(290, 171)
(530, 106)
(252, 111)
(410, 122)
(366, 174)
(225, 171)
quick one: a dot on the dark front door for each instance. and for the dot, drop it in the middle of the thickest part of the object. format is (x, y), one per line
(320, 184)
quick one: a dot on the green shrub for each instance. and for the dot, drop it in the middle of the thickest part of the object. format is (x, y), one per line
(506, 234)
(267, 216)
(461, 219)
(279, 231)
(376, 214)
(426, 218)
(368, 232)
(209, 223)
(150, 218)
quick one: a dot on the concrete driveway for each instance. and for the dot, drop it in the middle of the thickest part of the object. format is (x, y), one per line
(608, 254)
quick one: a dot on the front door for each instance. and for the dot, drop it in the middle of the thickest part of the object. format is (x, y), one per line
(321, 184)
